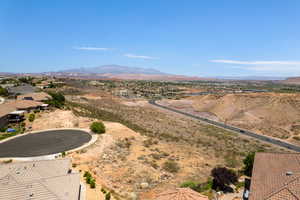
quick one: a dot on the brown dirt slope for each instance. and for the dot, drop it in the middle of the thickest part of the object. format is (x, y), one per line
(271, 114)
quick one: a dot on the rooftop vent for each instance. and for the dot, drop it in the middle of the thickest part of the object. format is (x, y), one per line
(289, 173)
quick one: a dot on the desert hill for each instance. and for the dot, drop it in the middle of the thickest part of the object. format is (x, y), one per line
(271, 114)
(292, 80)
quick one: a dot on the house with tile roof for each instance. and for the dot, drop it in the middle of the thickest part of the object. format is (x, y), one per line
(35, 96)
(39, 180)
(275, 176)
(180, 194)
(4, 114)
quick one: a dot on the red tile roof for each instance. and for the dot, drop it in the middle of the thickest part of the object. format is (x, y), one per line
(180, 194)
(270, 179)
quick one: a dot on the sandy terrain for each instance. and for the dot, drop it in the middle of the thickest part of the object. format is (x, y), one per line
(121, 161)
(272, 114)
(126, 162)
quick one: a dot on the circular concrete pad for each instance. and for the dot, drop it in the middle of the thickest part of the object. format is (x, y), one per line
(44, 143)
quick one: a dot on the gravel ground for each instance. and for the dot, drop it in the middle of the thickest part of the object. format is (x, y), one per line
(44, 143)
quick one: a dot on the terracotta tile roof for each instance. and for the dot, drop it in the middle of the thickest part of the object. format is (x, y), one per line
(23, 104)
(271, 179)
(6, 109)
(180, 194)
(36, 96)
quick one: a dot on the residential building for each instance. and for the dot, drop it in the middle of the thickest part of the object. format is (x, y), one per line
(40, 180)
(27, 105)
(275, 176)
(4, 114)
(36, 96)
(13, 111)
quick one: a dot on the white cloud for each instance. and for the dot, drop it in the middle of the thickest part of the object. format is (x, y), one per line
(257, 62)
(264, 66)
(92, 48)
(140, 57)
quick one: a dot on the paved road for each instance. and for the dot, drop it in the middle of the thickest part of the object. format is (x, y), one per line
(232, 128)
(44, 143)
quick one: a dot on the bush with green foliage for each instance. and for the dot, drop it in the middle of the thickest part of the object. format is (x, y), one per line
(192, 185)
(3, 91)
(97, 127)
(107, 196)
(58, 99)
(92, 183)
(222, 178)
(171, 166)
(198, 187)
(31, 117)
(88, 179)
(248, 164)
(87, 174)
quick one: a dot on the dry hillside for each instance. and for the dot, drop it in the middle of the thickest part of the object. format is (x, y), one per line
(272, 114)
(134, 162)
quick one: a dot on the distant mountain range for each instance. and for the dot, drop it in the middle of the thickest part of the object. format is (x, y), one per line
(114, 69)
(120, 72)
(254, 78)
(292, 80)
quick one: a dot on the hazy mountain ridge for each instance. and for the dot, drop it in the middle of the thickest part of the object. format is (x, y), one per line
(114, 69)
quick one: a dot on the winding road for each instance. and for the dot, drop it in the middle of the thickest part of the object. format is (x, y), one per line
(232, 128)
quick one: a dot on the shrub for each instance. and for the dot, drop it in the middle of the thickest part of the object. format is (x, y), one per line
(93, 183)
(31, 117)
(88, 179)
(58, 99)
(87, 174)
(97, 127)
(3, 91)
(171, 166)
(198, 187)
(248, 164)
(222, 178)
(192, 185)
(107, 196)
(296, 138)
(3, 129)
(63, 154)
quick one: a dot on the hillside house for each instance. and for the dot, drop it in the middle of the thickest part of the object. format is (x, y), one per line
(5, 110)
(26, 105)
(36, 96)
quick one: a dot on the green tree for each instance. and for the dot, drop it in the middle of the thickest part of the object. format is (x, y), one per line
(222, 178)
(58, 99)
(92, 183)
(3, 91)
(248, 164)
(107, 196)
(31, 117)
(97, 127)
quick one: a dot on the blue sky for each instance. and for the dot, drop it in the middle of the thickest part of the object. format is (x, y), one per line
(194, 37)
